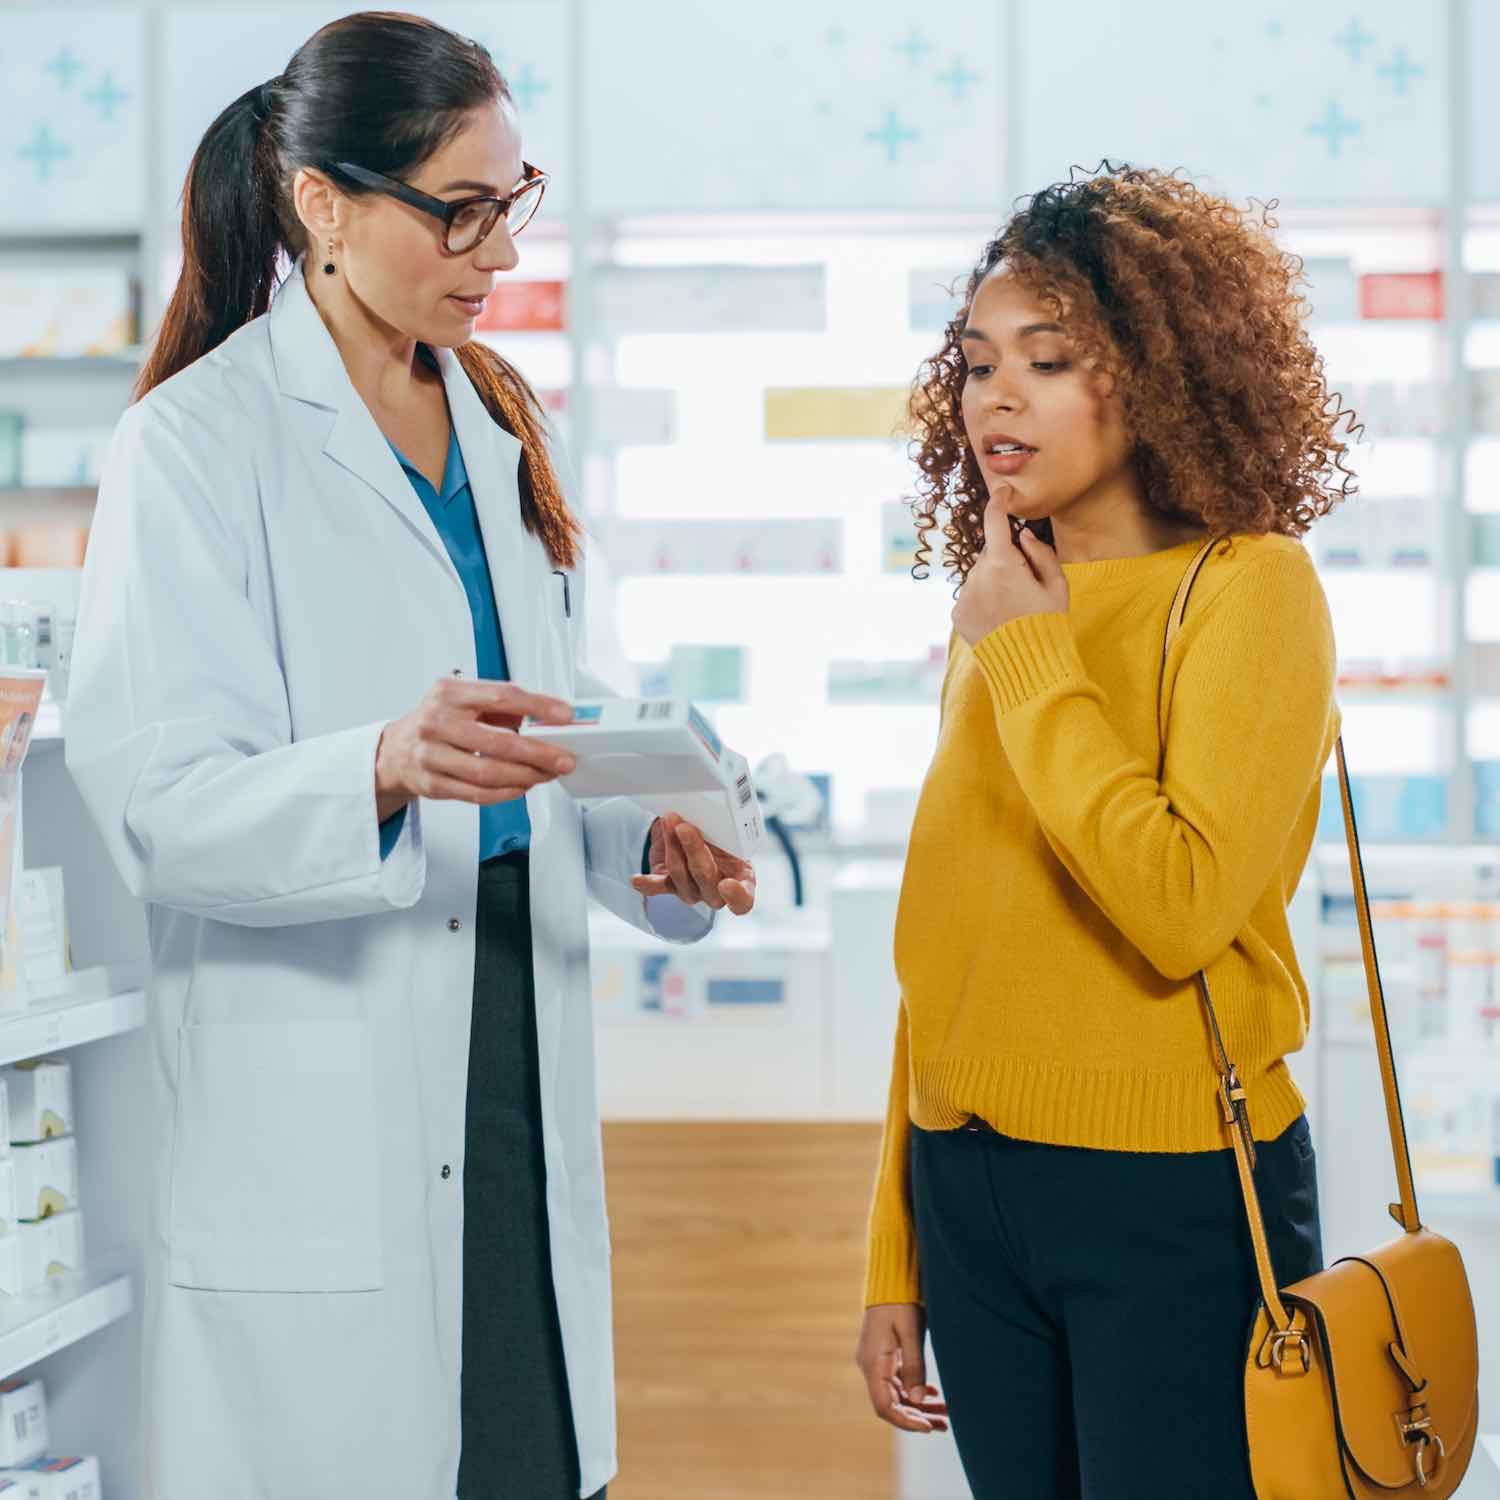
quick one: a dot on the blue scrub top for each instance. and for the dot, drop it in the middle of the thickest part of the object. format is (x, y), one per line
(507, 825)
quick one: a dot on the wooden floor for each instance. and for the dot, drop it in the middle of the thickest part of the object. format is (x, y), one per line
(739, 1253)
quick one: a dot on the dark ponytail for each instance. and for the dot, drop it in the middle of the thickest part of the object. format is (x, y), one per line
(380, 88)
(231, 241)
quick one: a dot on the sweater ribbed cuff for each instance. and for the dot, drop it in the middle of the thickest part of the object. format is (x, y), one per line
(1028, 655)
(891, 1273)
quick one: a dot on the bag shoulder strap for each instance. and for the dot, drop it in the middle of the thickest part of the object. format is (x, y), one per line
(1232, 1092)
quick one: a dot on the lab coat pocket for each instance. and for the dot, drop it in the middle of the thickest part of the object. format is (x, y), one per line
(275, 1163)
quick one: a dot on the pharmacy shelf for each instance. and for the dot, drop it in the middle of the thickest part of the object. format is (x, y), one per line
(58, 1025)
(69, 1308)
(71, 364)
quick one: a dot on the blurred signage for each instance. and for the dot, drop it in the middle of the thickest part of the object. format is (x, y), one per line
(525, 307)
(1401, 294)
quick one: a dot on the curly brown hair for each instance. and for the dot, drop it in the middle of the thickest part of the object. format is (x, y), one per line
(1185, 303)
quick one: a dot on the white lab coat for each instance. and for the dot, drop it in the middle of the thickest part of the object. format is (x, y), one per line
(263, 593)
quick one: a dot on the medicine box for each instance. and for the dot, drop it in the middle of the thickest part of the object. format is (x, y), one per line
(8, 1206)
(662, 753)
(49, 1247)
(40, 1098)
(57, 1479)
(23, 1422)
(46, 1177)
(12, 1283)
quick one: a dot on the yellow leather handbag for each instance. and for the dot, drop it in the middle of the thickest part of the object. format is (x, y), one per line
(1362, 1380)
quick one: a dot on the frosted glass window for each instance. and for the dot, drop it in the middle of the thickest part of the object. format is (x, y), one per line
(1310, 105)
(213, 53)
(72, 129)
(799, 104)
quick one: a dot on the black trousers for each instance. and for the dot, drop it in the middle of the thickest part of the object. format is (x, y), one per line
(1090, 1310)
(518, 1438)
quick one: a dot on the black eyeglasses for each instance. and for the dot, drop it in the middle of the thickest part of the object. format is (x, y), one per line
(466, 221)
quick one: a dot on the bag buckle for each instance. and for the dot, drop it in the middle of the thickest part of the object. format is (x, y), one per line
(1415, 1427)
(1296, 1340)
(1289, 1349)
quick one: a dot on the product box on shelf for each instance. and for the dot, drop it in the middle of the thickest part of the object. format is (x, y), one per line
(12, 1276)
(12, 438)
(57, 1479)
(23, 1421)
(72, 313)
(41, 915)
(63, 457)
(49, 1247)
(39, 1094)
(46, 1177)
(9, 1218)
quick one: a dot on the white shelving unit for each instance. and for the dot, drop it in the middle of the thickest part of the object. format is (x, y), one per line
(68, 1309)
(56, 1027)
(82, 1332)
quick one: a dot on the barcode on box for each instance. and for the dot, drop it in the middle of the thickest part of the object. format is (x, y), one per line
(661, 710)
(742, 787)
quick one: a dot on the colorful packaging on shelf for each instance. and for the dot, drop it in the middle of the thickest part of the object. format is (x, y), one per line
(39, 1094)
(46, 1178)
(70, 313)
(23, 1422)
(662, 753)
(49, 1247)
(57, 1479)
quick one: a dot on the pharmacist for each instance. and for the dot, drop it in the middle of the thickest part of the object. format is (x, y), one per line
(331, 568)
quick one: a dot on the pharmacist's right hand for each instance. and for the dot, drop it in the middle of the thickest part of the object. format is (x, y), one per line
(891, 1358)
(459, 744)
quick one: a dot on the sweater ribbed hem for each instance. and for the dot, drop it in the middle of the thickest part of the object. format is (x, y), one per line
(891, 1273)
(1028, 655)
(1105, 1111)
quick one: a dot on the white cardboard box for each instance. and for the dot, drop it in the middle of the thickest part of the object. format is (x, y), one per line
(39, 1096)
(46, 1177)
(8, 1215)
(23, 1422)
(12, 1283)
(662, 753)
(57, 1479)
(49, 1247)
(41, 913)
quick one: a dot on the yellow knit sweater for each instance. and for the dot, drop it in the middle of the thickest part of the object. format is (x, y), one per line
(1060, 896)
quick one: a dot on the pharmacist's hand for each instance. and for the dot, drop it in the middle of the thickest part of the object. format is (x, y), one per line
(1009, 578)
(459, 745)
(686, 864)
(890, 1356)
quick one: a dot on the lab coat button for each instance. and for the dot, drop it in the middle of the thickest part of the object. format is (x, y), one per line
(454, 924)
(447, 1171)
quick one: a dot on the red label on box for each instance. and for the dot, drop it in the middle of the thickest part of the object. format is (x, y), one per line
(1401, 294)
(525, 307)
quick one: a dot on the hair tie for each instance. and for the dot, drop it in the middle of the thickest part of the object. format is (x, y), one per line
(260, 104)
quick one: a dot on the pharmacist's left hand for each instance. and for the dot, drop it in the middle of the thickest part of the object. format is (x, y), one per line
(686, 865)
(1008, 580)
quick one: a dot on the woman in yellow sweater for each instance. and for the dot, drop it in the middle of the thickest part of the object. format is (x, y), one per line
(1056, 1199)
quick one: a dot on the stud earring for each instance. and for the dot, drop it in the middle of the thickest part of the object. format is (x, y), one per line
(328, 264)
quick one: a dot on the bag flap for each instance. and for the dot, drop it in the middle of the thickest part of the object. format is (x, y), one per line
(1422, 1275)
